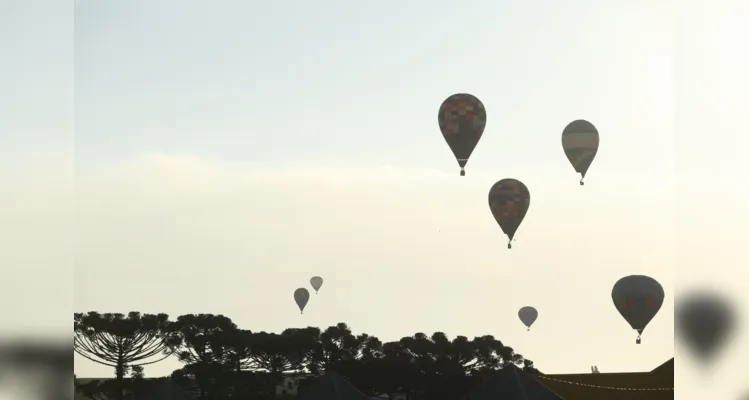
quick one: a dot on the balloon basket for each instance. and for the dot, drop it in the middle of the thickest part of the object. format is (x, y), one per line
(509, 245)
(582, 183)
(638, 341)
(462, 173)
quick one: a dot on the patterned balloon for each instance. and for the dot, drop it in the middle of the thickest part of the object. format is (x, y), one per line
(638, 298)
(580, 143)
(509, 200)
(462, 119)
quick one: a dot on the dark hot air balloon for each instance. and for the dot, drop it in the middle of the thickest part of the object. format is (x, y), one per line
(580, 143)
(704, 319)
(509, 200)
(316, 283)
(528, 316)
(301, 297)
(462, 119)
(638, 299)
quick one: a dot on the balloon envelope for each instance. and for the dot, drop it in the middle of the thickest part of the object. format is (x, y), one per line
(301, 297)
(580, 143)
(462, 119)
(316, 283)
(638, 299)
(528, 315)
(704, 320)
(509, 200)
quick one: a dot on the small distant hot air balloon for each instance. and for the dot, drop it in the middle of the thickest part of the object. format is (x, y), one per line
(638, 299)
(509, 200)
(316, 283)
(301, 296)
(704, 319)
(580, 143)
(462, 119)
(528, 316)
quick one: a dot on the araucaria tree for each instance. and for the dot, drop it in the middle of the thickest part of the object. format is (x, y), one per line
(122, 342)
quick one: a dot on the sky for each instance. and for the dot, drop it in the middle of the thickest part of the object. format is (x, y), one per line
(36, 169)
(212, 157)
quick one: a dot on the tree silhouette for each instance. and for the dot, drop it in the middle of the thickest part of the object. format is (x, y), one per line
(122, 342)
(222, 361)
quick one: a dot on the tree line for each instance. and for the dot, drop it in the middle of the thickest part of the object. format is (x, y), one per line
(222, 361)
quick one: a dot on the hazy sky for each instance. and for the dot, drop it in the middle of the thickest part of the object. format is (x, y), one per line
(226, 152)
(36, 170)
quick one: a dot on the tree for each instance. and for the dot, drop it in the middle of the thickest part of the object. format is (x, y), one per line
(336, 348)
(223, 362)
(395, 371)
(122, 342)
(202, 343)
(277, 354)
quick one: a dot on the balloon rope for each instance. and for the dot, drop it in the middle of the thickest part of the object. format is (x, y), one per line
(605, 387)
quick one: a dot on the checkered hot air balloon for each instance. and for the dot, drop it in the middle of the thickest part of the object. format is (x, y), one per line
(509, 200)
(462, 119)
(638, 298)
(580, 143)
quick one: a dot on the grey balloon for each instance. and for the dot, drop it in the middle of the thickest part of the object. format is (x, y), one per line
(580, 142)
(705, 319)
(528, 316)
(316, 283)
(301, 296)
(638, 298)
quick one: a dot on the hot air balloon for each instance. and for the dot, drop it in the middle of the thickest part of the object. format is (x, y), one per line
(705, 320)
(637, 298)
(509, 200)
(462, 119)
(316, 283)
(580, 143)
(301, 296)
(528, 316)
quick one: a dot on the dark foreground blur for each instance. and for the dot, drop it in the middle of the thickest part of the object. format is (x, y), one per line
(35, 370)
(711, 340)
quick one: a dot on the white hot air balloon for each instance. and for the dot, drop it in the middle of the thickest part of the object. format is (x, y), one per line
(528, 316)
(316, 283)
(301, 296)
